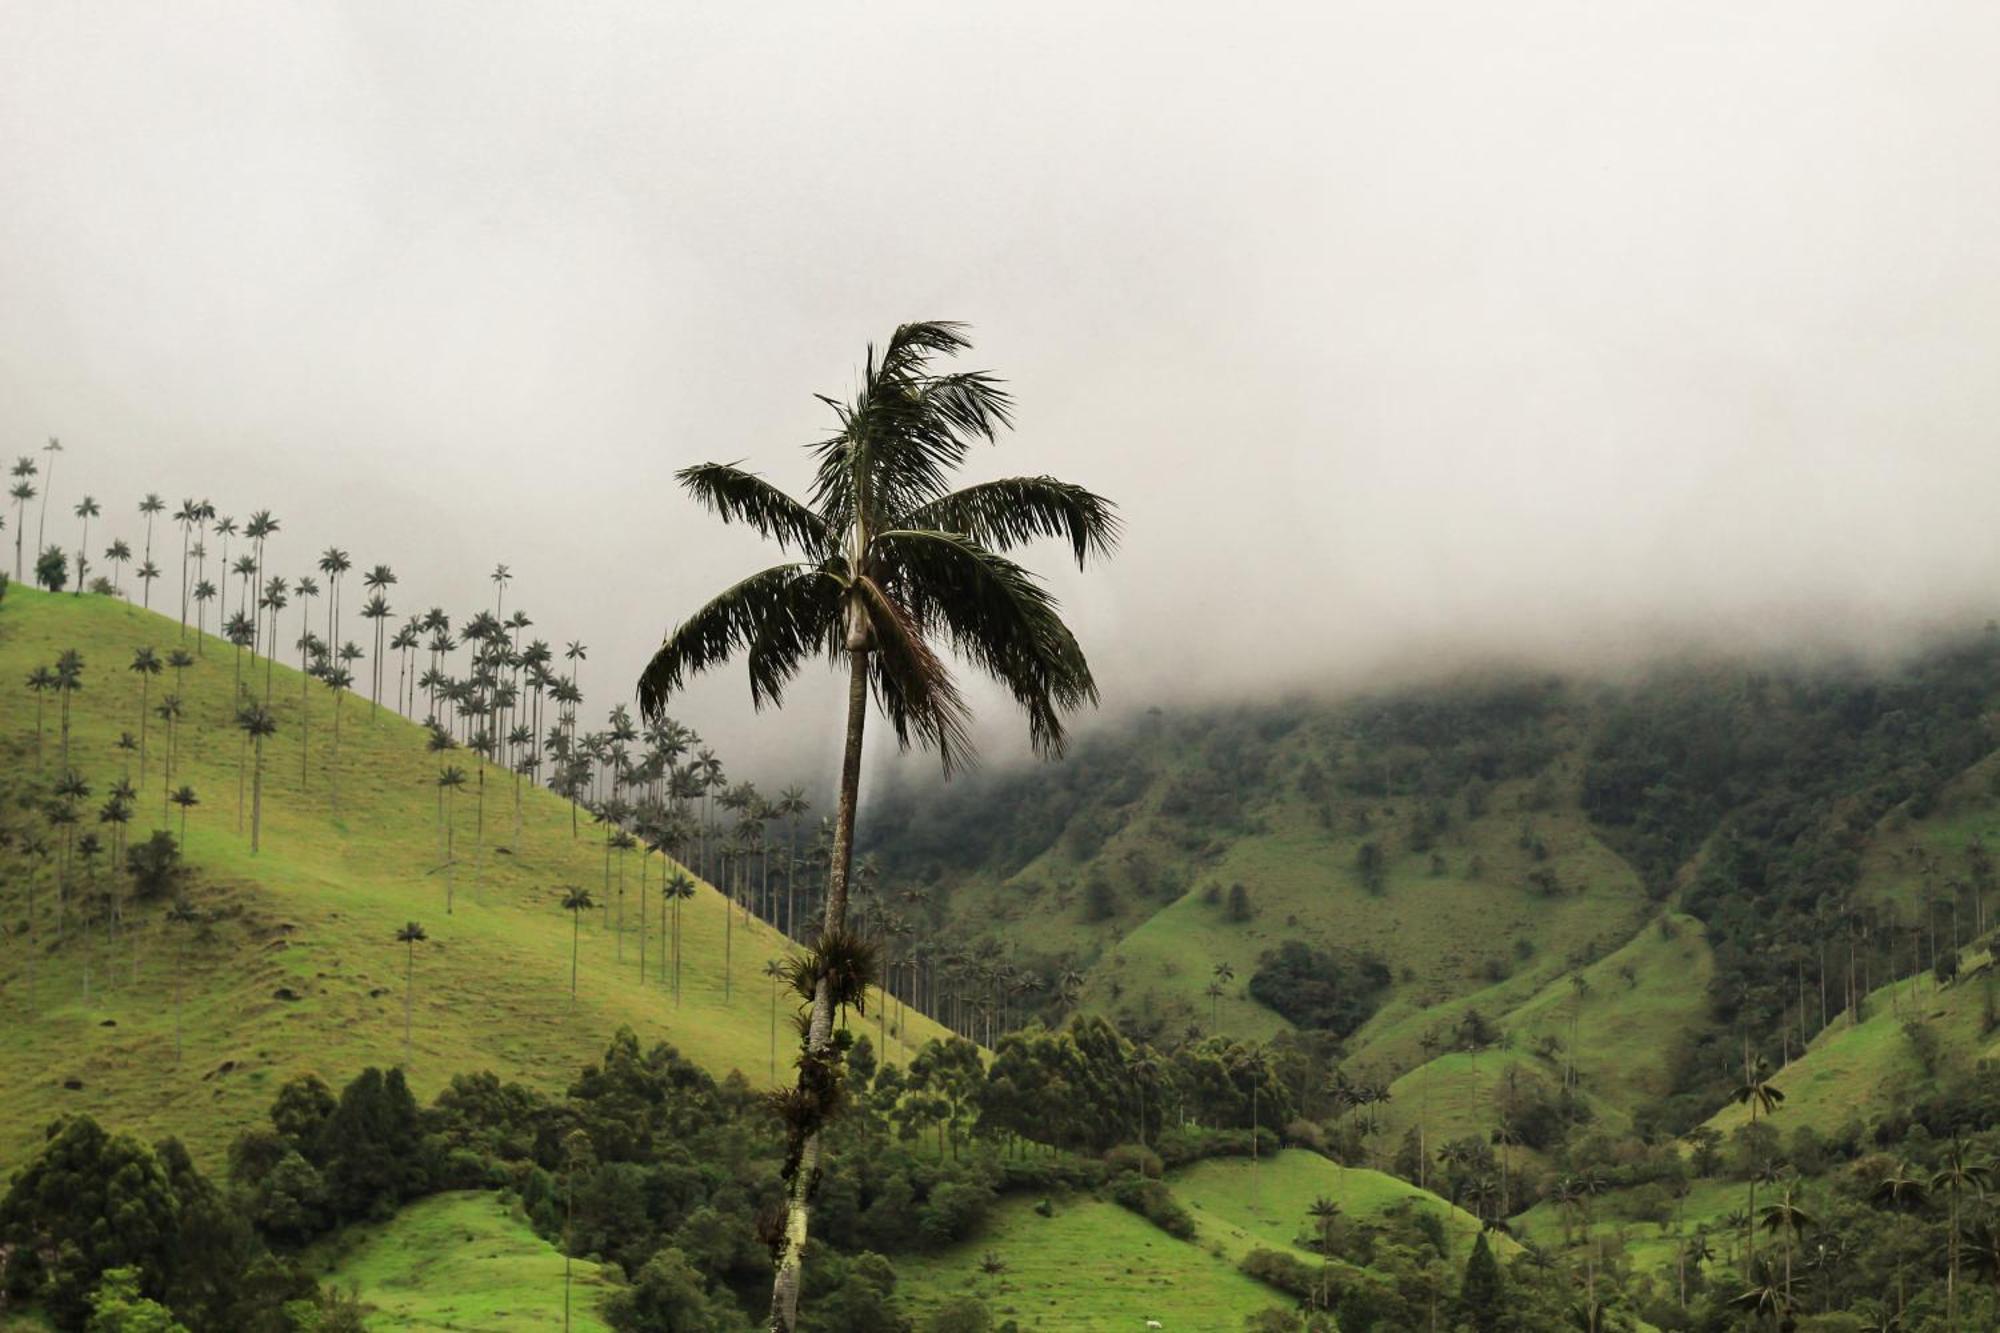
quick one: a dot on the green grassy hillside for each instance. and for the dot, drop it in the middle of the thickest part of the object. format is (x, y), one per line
(1915, 1031)
(1090, 1265)
(460, 1261)
(1242, 1207)
(299, 968)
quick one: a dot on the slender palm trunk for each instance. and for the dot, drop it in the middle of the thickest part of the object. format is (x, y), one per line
(409, 992)
(575, 919)
(144, 690)
(257, 799)
(804, 1174)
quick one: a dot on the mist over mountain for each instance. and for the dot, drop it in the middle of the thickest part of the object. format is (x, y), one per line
(1577, 338)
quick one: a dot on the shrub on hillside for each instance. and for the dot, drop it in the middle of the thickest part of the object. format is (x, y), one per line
(52, 569)
(1134, 1159)
(1319, 989)
(1154, 1202)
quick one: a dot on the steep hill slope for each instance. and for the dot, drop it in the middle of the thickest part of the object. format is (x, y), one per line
(462, 1261)
(298, 966)
(1482, 846)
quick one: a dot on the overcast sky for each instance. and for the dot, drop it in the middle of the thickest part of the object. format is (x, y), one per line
(1400, 331)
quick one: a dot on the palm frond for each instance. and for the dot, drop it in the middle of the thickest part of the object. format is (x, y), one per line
(781, 615)
(1012, 511)
(737, 496)
(913, 685)
(905, 428)
(999, 617)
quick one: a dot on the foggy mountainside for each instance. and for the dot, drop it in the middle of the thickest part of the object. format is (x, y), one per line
(999, 668)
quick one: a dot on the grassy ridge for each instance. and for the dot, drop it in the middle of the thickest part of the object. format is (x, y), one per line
(1091, 1265)
(300, 970)
(460, 1261)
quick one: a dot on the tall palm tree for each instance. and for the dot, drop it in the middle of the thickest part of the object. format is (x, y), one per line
(449, 782)
(184, 797)
(1756, 1092)
(259, 530)
(1764, 1300)
(339, 679)
(146, 665)
(52, 448)
(501, 576)
(69, 680)
(257, 724)
(274, 601)
(307, 589)
(225, 528)
(409, 937)
(1789, 1220)
(118, 555)
(148, 573)
(1221, 975)
(188, 515)
(168, 710)
(774, 971)
(677, 890)
(86, 509)
(22, 491)
(333, 563)
(791, 806)
(1960, 1171)
(41, 680)
(204, 593)
(576, 901)
(149, 508)
(377, 580)
(893, 562)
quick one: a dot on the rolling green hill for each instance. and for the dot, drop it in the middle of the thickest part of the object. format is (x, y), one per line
(298, 968)
(460, 1261)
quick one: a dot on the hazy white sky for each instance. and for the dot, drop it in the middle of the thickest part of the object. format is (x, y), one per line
(1399, 330)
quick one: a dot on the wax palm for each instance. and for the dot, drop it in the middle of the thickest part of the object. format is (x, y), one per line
(259, 530)
(1756, 1092)
(188, 515)
(333, 563)
(86, 509)
(1764, 1299)
(184, 797)
(676, 891)
(225, 528)
(22, 492)
(576, 901)
(409, 937)
(895, 568)
(1960, 1171)
(204, 593)
(118, 555)
(52, 448)
(450, 782)
(1790, 1221)
(146, 665)
(257, 724)
(41, 680)
(69, 679)
(774, 971)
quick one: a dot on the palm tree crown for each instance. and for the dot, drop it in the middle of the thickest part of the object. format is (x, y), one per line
(893, 562)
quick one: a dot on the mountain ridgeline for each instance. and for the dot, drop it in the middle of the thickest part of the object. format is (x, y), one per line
(1318, 864)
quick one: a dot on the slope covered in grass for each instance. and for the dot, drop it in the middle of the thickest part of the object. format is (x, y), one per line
(298, 968)
(1914, 1030)
(1242, 1206)
(460, 1261)
(1090, 1265)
